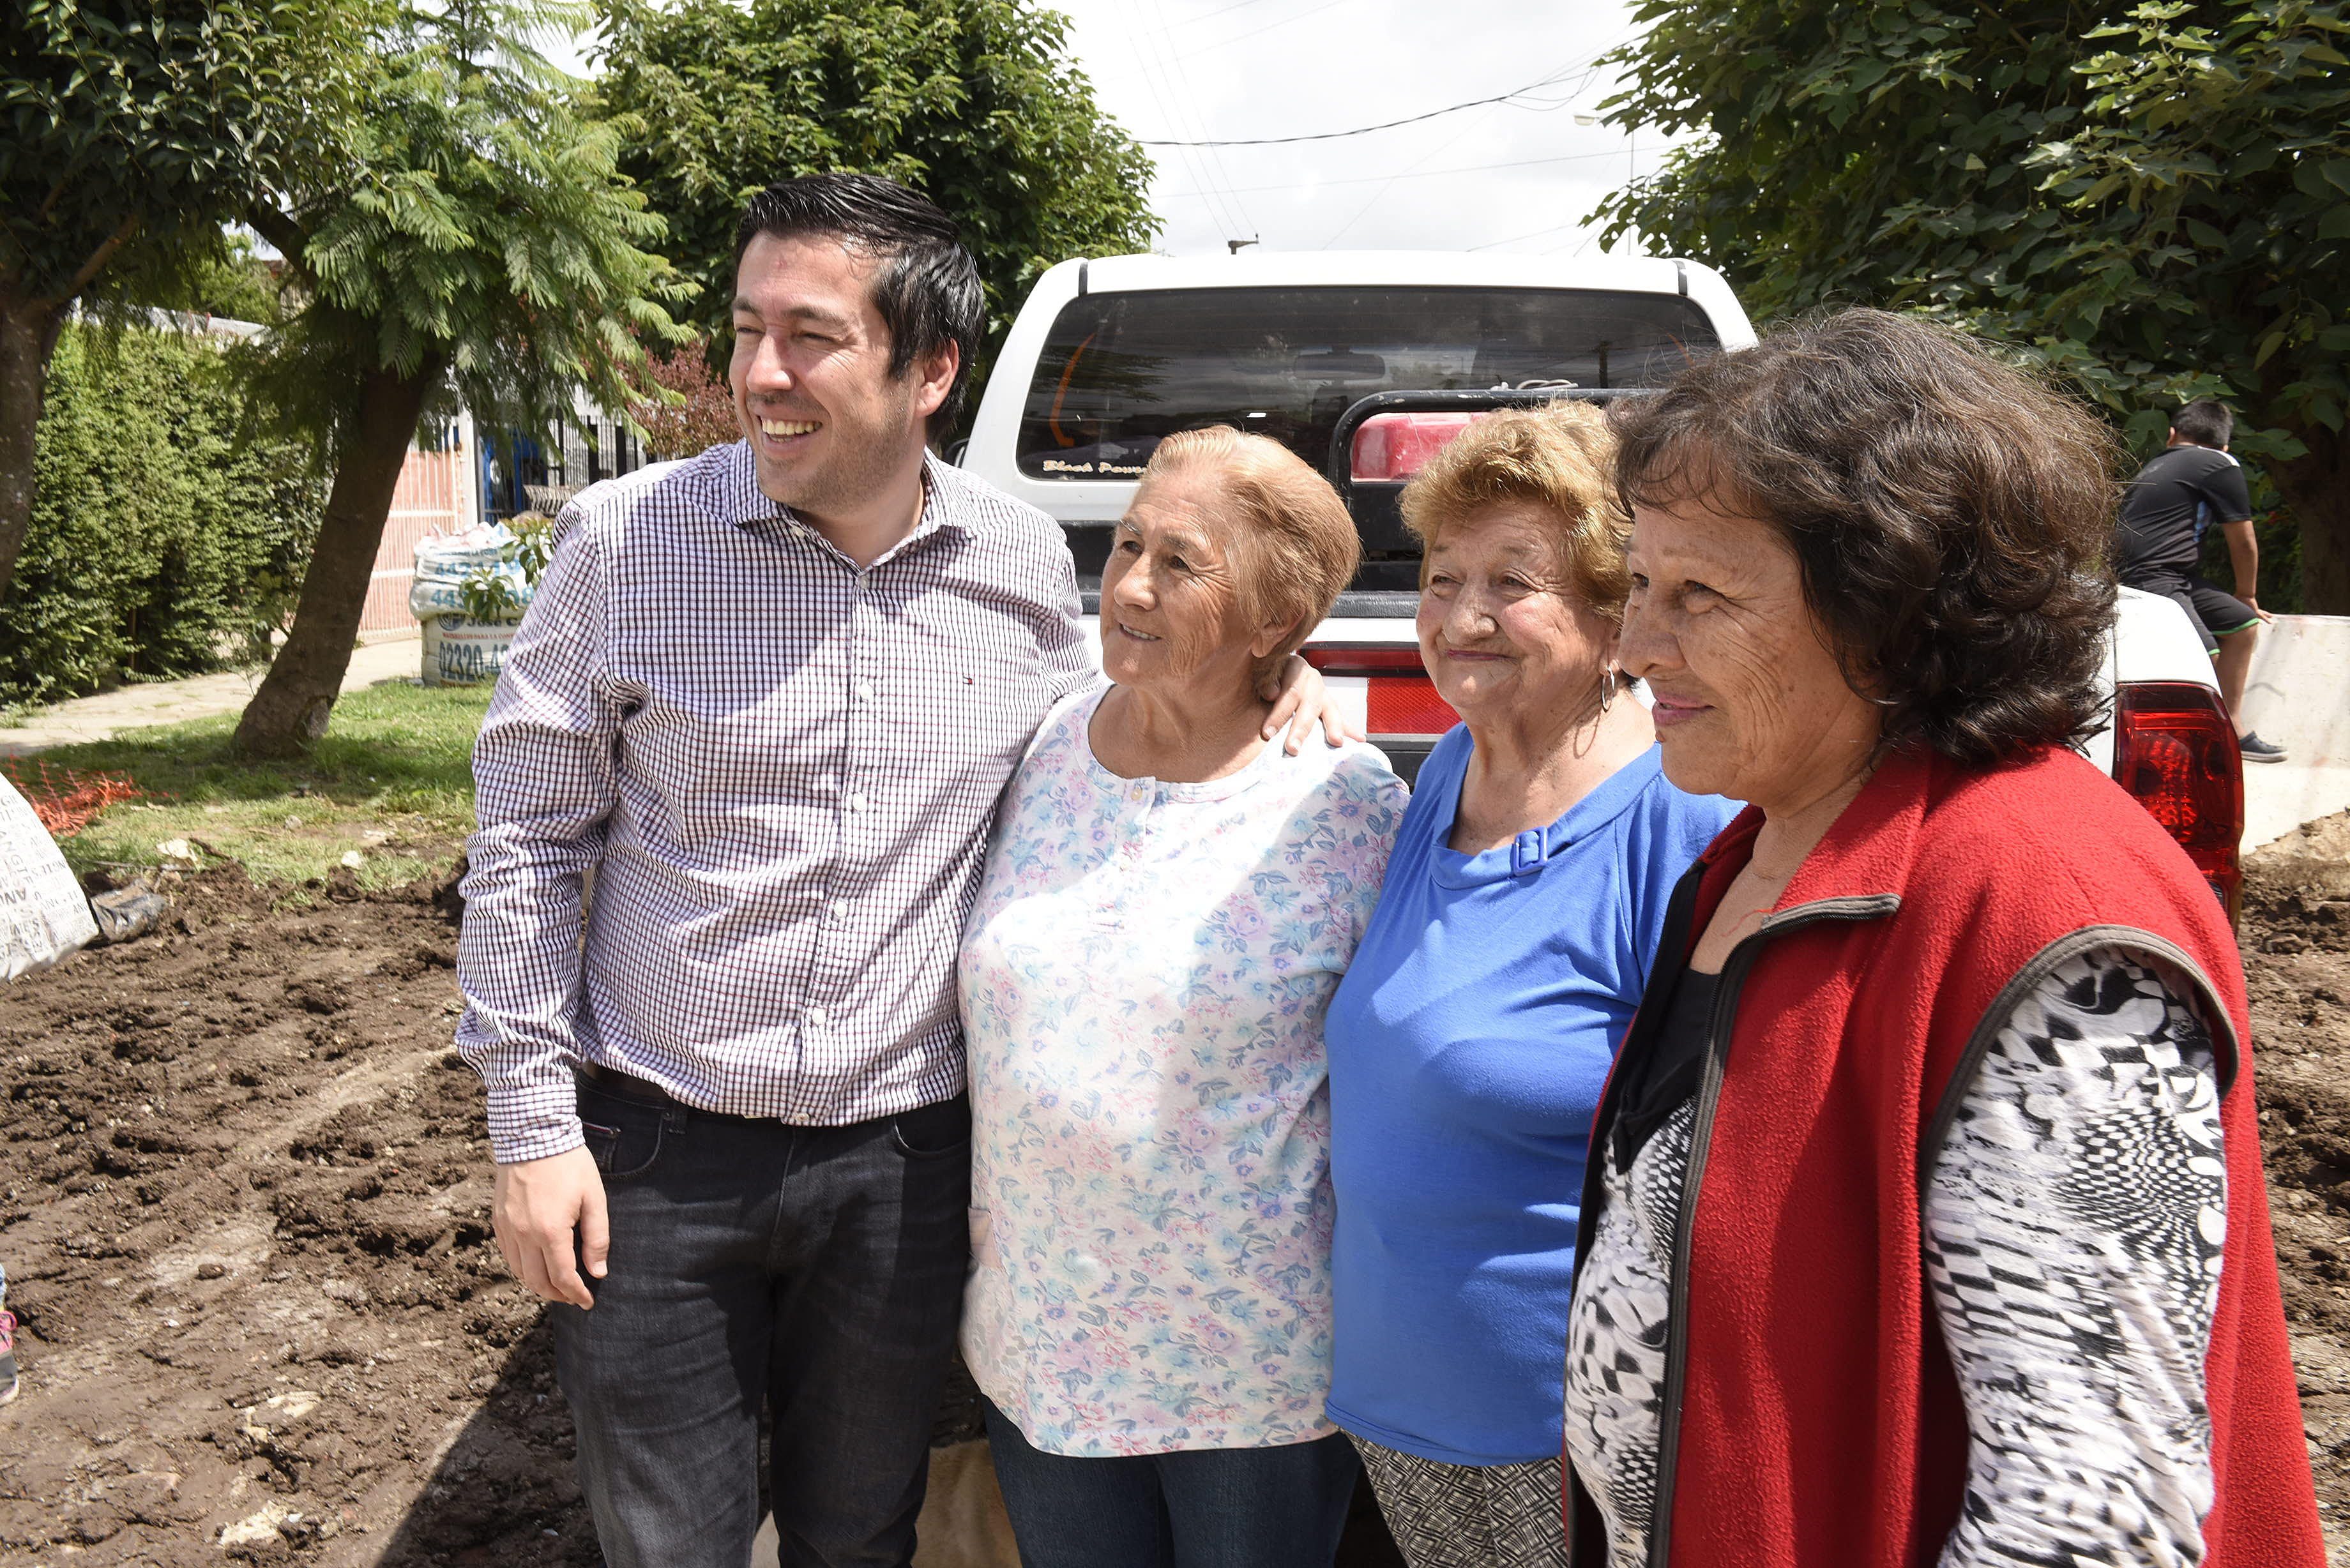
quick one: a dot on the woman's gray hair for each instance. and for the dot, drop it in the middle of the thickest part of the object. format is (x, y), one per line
(1297, 545)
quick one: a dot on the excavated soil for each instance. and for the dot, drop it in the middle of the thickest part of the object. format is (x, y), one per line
(244, 1212)
(2295, 934)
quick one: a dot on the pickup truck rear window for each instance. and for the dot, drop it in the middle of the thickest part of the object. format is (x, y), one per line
(1119, 371)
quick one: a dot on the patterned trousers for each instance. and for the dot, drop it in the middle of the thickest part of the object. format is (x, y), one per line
(1468, 1516)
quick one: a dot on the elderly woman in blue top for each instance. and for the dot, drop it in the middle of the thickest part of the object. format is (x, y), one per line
(1471, 1038)
(1168, 906)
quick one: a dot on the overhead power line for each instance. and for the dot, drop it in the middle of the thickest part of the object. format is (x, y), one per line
(1163, 73)
(1532, 234)
(1549, 80)
(1414, 174)
(1466, 127)
(1235, 6)
(1269, 26)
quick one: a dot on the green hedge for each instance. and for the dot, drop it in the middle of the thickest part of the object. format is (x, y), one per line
(161, 544)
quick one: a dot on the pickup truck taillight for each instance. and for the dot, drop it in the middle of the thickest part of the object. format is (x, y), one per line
(2175, 750)
(1391, 448)
(1399, 699)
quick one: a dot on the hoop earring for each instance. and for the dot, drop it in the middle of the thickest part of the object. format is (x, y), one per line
(1607, 684)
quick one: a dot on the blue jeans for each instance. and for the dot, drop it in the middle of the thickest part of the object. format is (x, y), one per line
(1201, 1507)
(815, 1271)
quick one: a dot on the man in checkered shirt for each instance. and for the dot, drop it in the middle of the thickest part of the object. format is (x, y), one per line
(771, 694)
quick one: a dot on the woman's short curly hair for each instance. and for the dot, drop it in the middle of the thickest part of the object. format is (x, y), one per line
(1953, 517)
(1559, 458)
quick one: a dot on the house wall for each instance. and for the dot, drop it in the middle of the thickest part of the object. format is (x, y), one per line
(435, 495)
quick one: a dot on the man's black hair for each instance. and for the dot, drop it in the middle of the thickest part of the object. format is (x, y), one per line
(2206, 422)
(927, 291)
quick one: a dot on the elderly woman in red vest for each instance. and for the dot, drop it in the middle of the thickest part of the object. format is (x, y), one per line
(1924, 1221)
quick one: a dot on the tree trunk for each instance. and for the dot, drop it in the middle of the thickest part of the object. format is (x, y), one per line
(291, 708)
(2317, 488)
(29, 334)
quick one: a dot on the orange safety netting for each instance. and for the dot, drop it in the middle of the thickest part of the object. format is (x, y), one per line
(64, 798)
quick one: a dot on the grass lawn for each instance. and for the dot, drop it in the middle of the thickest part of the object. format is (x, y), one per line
(393, 781)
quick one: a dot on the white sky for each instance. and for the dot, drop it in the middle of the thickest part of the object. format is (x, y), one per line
(1501, 177)
(1202, 69)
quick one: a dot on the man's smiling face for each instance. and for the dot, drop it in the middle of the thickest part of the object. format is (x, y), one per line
(828, 425)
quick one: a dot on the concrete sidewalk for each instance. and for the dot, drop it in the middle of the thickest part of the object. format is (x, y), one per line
(381, 656)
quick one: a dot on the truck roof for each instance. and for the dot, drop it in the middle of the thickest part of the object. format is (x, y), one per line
(1255, 269)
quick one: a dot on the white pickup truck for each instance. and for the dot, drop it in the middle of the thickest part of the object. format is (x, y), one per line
(1364, 363)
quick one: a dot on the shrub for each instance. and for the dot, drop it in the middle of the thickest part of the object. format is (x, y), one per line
(704, 418)
(161, 543)
(2280, 540)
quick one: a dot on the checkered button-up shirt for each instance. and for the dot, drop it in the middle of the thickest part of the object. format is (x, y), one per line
(784, 768)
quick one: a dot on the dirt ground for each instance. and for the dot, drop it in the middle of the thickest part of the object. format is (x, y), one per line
(244, 1212)
(2296, 935)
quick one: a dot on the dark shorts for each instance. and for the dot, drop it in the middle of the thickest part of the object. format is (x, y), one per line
(2216, 614)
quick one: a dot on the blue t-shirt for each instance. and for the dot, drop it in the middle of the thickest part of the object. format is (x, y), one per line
(1468, 1045)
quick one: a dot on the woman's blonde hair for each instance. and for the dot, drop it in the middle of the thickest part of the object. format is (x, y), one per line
(1559, 459)
(1296, 543)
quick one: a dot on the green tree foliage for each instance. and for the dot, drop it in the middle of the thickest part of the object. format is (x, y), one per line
(161, 544)
(235, 283)
(129, 130)
(975, 103)
(2152, 198)
(477, 243)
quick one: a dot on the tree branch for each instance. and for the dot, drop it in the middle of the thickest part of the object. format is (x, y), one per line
(280, 231)
(96, 261)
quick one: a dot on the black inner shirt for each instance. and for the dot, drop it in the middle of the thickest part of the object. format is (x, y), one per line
(1658, 1085)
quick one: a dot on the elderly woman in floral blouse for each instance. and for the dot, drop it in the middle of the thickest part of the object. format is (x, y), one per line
(1167, 907)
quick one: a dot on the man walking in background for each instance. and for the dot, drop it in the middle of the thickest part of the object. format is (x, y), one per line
(773, 694)
(2165, 511)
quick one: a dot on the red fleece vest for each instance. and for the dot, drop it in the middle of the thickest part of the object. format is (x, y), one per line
(1820, 1425)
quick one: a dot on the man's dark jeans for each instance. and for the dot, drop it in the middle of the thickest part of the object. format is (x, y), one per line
(1200, 1508)
(818, 1270)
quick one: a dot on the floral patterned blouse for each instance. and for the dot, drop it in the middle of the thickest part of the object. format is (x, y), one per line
(1143, 982)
